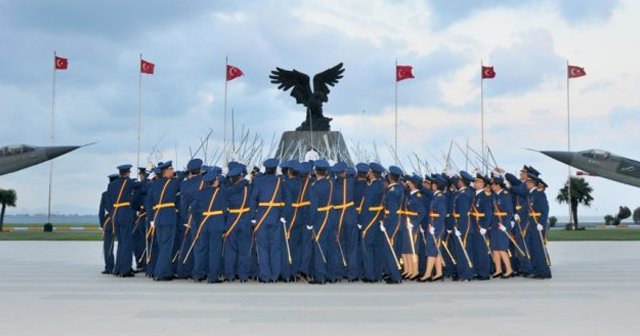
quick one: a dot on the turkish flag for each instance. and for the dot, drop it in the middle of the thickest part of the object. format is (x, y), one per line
(404, 72)
(575, 71)
(61, 63)
(233, 72)
(488, 72)
(147, 67)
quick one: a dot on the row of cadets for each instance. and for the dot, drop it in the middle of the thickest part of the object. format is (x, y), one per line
(388, 242)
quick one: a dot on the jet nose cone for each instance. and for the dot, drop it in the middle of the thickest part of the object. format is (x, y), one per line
(564, 157)
(55, 151)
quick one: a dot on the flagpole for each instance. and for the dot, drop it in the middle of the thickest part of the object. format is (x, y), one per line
(484, 162)
(233, 131)
(53, 103)
(224, 133)
(395, 134)
(139, 109)
(569, 147)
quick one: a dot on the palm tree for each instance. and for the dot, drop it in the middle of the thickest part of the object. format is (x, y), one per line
(8, 197)
(580, 194)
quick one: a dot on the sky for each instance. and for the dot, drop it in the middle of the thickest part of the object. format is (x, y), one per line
(525, 106)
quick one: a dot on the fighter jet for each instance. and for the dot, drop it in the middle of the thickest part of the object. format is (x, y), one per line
(18, 157)
(598, 162)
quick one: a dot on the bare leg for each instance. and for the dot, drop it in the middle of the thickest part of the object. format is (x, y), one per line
(507, 262)
(495, 255)
(429, 270)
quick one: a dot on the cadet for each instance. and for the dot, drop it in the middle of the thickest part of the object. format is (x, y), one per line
(266, 203)
(522, 262)
(354, 245)
(120, 206)
(106, 225)
(481, 214)
(189, 187)
(138, 231)
(462, 230)
(535, 237)
(343, 214)
(298, 184)
(208, 211)
(163, 221)
(500, 228)
(390, 226)
(290, 191)
(324, 232)
(435, 232)
(237, 238)
(372, 211)
(415, 216)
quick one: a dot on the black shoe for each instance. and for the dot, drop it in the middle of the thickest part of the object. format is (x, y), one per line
(434, 279)
(393, 282)
(483, 278)
(507, 276)
(496, 275)
(214, 281)
(317, 282)
(128, 275)
(105, 272)
(169, 278)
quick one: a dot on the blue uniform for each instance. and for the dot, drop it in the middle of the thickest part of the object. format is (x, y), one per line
(120, 203)
(537, 204)
(138, 231)
(107, 234)
(437, 216)
(162, 199)
(502, 217)
(266, 203)
(188, 190)
(237, 238)
(290, 190)
(371, 213)
(208, 211)
(481, 215)
(344, 215)
(462, 206)
(393, 220)
(521, 263)
(325, 231)
(416, 214)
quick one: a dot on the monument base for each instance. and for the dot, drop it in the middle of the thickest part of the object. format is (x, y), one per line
(294, 145)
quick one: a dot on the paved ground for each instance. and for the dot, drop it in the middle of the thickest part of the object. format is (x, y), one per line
(54, 288)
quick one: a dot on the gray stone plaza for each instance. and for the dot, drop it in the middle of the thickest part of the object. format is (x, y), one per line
(55, 288)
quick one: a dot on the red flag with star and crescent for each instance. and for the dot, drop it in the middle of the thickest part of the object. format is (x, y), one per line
(233, 72)
(488, 72)
(404, 72)
(575, 71)
(61, 63)
(147, 67)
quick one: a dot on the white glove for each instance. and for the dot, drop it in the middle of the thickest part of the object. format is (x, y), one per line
(458, 233)
(540, 227)
(382, 228)
(309, 227)
(421, 230)
(513, 224)
(483, 231)
(283, 221)
(502, 228)
(359, 227)
(432, 231)
(516, 217)
(253, 222)
(153, 224)
(409, 226)
(186, 225)
(449, 231)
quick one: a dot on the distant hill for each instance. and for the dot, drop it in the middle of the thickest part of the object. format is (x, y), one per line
(55, 219)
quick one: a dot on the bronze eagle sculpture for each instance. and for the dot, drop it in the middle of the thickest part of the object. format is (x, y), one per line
(311, 99)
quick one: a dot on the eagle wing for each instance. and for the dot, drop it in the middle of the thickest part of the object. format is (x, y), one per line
(329, 77)
(287, 79)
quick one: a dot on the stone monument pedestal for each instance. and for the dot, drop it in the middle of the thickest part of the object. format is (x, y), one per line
(329, 145)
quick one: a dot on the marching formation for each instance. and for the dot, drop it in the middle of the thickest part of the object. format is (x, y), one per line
(323, 223)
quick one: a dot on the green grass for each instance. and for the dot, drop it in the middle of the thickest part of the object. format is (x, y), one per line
(36, 235)
(594, 234)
